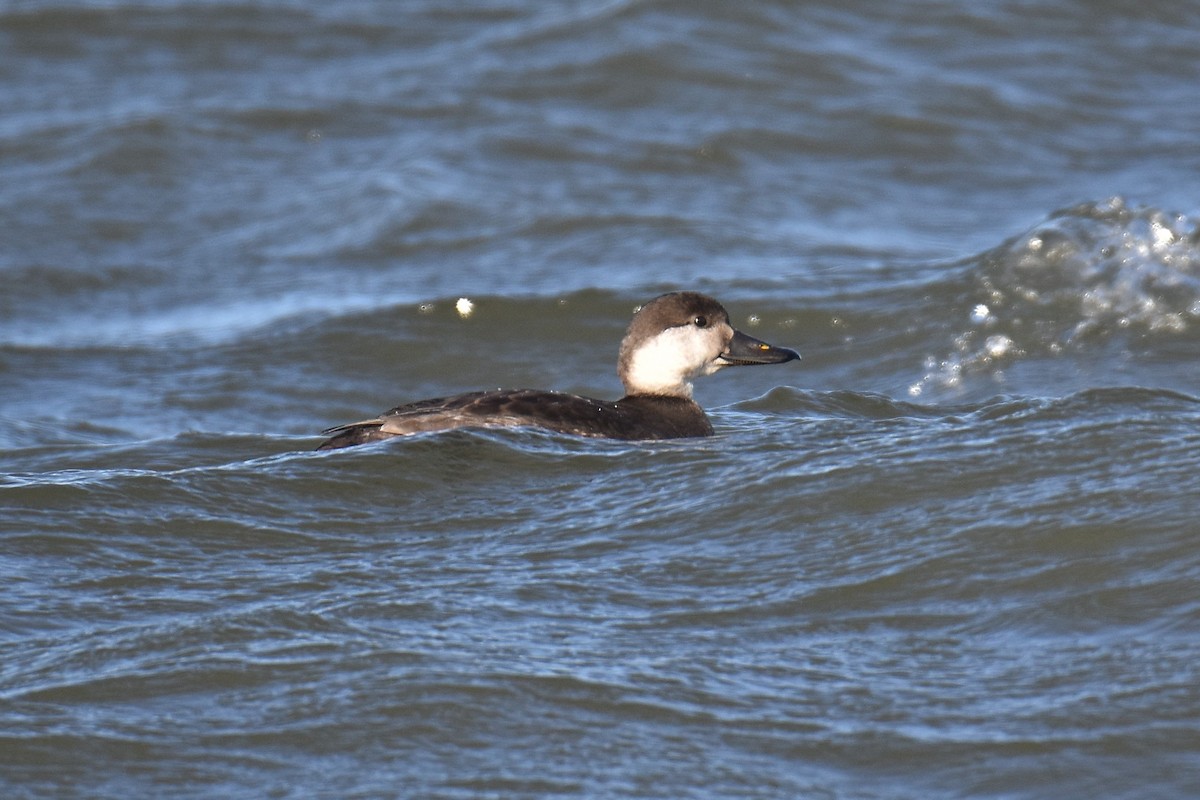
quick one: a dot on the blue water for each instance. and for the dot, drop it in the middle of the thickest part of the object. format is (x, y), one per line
(948, 554)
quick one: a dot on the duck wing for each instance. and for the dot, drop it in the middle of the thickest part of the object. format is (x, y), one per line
(635, 417)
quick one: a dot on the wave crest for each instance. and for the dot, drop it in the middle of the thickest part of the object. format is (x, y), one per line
(1090, 274)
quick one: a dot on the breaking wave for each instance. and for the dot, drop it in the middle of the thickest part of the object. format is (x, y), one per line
(1089, 275)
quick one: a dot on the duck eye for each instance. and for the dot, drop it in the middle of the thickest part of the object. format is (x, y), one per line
(701, 322)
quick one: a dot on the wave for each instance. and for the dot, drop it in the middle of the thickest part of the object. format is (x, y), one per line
(786, 401)
(1088, 276)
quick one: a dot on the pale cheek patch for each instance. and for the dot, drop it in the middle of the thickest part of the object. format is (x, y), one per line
(665, 363)
(720, 340)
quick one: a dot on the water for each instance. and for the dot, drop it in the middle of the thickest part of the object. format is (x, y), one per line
(949, 554)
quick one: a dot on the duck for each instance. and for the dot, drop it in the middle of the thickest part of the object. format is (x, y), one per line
(671, 340)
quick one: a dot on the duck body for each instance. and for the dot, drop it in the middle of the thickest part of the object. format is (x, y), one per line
(671, 339)
(635, 417)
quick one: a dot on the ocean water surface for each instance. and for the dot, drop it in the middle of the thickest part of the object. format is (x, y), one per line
(950, 553)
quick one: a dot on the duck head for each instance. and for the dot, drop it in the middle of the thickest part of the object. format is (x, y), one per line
(679, 336)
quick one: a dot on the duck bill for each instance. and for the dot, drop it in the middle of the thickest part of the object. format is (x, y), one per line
(745, 350)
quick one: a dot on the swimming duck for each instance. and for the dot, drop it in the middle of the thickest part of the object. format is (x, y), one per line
(671, 340)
